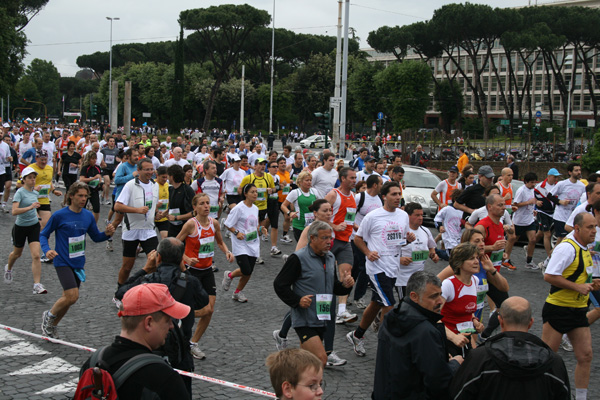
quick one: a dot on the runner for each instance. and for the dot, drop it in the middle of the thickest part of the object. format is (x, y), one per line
(273, 207)
(91, 174)
(442, 193)
(565, 195)
(524, 218)
(325, 177)
(243, 222)
(545, 213)
(180, 201)
(232, 177)
(380, 236)
(6, 144)
(26, 228)
(449, 221)
(70, 225)
(162, 223)
(108, 165)
(199, 235)
(26, 150)
(295, 169)
(296, 204)
(285, 188)
(68, 166)
(368, 170)
(211, 185)
(569, 273)
(44, 186)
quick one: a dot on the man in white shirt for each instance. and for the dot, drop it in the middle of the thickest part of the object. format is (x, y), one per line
(368, 171)
(545, 212)
(524, 218)
(325, 177)
(167, 142)
(592, 191)
(566, 195)
(257, 153)
(177, 159)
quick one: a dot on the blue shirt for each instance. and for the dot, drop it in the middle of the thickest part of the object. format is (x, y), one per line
(29, 155)
(123, 175)
(70, 228)
(25, 198)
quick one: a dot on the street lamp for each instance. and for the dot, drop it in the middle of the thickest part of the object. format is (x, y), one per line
(272, 70)
(569, 64)
(110, 116)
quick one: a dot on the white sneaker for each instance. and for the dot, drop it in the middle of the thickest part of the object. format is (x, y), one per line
(240, 297)
(226, 283)
(259, 260)
(333, 360)
(285, 257)
(264, 238)
(357, 344)
(38, 288)
(280, 343)
(525, 249)
(566, 344)
(360, 304)
(275, 251)
(117, 303)
(8, 276)
(286, 239)
(109, 245)
(345, 317)
(196, 352)
(531, 266)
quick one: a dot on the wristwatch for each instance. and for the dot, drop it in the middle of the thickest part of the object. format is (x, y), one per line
(289, 212)
(236, 232)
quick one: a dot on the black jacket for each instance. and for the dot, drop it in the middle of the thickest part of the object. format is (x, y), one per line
(412, 360)
(512, 365)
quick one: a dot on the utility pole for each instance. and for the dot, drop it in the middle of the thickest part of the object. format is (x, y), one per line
(272, 70)
(112, 119)
(344, 77)
(127, 109)
(338, 77)
(242, 105)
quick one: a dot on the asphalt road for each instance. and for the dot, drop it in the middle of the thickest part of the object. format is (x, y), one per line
(236, 343)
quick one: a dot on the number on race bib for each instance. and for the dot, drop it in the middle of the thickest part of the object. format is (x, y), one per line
(251, 236)
(420, 255)
(77, 246)
(324, 307)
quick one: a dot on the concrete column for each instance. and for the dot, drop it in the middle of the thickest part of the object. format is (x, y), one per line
(127, 109)
(114, 113)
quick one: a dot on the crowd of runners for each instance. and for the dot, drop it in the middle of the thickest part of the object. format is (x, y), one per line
(353, 231)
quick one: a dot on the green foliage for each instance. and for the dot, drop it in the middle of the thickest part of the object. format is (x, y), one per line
(361, 89)
(449, 101)
(404, 88)
(591, 159)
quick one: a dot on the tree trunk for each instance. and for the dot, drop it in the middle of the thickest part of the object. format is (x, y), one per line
(211, 103)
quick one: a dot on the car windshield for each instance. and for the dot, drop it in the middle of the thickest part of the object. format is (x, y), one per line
(420, 179)
(313, 137)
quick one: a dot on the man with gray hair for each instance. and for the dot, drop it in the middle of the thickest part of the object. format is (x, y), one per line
(412, 359)
(512, 364)
(308, 290)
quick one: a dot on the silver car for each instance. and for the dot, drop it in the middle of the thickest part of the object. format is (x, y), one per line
(419, 182)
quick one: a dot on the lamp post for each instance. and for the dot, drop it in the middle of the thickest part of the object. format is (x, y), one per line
(110, 116)
(569, 63)
(272, 70)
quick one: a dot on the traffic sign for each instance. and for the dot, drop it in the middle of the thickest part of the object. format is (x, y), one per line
(504, 122)
(72, 114)
(538, 114)
(572, 124)
(146, 115)
(374, 125)
(538, 121)
(380, 115)
(591, 123)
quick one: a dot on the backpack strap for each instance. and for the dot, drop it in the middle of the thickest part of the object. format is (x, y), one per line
(97, 356)
(180, 286)
(361, 201)
(133, 365)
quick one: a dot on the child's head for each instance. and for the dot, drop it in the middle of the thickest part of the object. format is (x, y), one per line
(296, 374)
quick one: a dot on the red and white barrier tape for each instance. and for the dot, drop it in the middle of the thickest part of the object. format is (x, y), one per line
(185, 373)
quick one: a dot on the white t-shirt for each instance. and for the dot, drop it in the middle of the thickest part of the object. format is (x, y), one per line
(182, 163)
(442, 188)
(213, 189)
(450, 217)
(168, 144)
(363, 175)
(370, 203)
(579, 209)
(385, 233)
(323, 181)
(418, 250)
(562, 256)
(232, 179)
(138, 234)
(289, 160)
(199, 157)
(567, 190)
(245, 220)
(254, 156)
(482, 212)
(50, 147)
(544, 190)
(524, 214)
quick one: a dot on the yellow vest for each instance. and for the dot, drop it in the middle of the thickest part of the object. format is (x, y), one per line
(262, 184)
(575, 272)
(44, 180)
(163, 199)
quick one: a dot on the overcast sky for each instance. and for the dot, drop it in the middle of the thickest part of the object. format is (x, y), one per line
(65, 29)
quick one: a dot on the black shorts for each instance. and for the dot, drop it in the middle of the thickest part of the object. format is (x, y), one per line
(108, 172)
(130, 246)
(8, 172)
(162, 225)
(21, 234)
(67, 277)
(306, 332)
(544, 222)
(206, 278)
(383, 289)
(297, 234)
(262, 215)
(559, 229)
(273, 212)
(564, 319)
(44, 207)
(94, 199)
(3, 179)
(246, 263)
(520, 230)
(234, 199)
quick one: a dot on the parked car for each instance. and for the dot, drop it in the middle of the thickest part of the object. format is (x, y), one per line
(419, 183)
(315, 141)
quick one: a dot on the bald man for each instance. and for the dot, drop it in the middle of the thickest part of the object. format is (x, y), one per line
(492, 371)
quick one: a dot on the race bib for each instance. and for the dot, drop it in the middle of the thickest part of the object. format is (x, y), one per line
(250, 236)
(149, 203)
(43, 192)
(420, 255)
(350, 215)
(466, 327)
(108, 159)
(496, 257)
(214, 209)
(481, 293)
(273, 196)
(94, 183)
(72, 170)
(235, 190)
(207, 247)
(285, 190)
(324, 307)
(163, 205)
(262, 193)
(308, 218)
(77, 246)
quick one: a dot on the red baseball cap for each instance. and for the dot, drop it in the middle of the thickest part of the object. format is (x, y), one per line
(152, 297)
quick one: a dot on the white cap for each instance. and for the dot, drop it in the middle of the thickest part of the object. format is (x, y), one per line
(27, 171)
(235, 158)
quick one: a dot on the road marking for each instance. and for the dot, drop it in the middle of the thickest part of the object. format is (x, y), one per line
(6, 336)
(62, 387)
(22, 349)
(54, 365)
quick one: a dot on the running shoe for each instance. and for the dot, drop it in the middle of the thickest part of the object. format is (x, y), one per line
(48, 327)
(196, 352)
(259, 260)
(508, 264)
(264, 238)
(38, 288)
(8, 276)
(542, 266)
(345, 317)
(286, 239)
(531, 266)
(228, 234)
(376, 323)
(525, 249)
(280, 343)
(109, 245)
(240, 297)
(226, 281)
(360, 304)
(357, 344)
(275, 251)
(333, 360)
(45, 259)
(566, 344)
(215, 268)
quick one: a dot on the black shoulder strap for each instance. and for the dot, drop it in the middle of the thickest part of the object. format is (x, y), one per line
(361, 201)
(180, 285)
(575, 275)
(133, 365)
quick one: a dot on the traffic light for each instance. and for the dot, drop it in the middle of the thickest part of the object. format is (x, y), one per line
(324, 121)
(94, 110)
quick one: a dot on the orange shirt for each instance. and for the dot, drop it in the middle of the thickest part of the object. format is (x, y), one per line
(201, 245)
(505, 190)
(284, 185)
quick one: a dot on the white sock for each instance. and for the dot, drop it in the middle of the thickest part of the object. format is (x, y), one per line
(580, 394)
(341, 308)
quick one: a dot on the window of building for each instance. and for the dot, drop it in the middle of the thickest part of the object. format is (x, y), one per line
(493, 102)
(587, 102)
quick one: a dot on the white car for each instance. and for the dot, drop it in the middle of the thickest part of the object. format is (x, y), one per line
(419, 182)
(315, 141)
